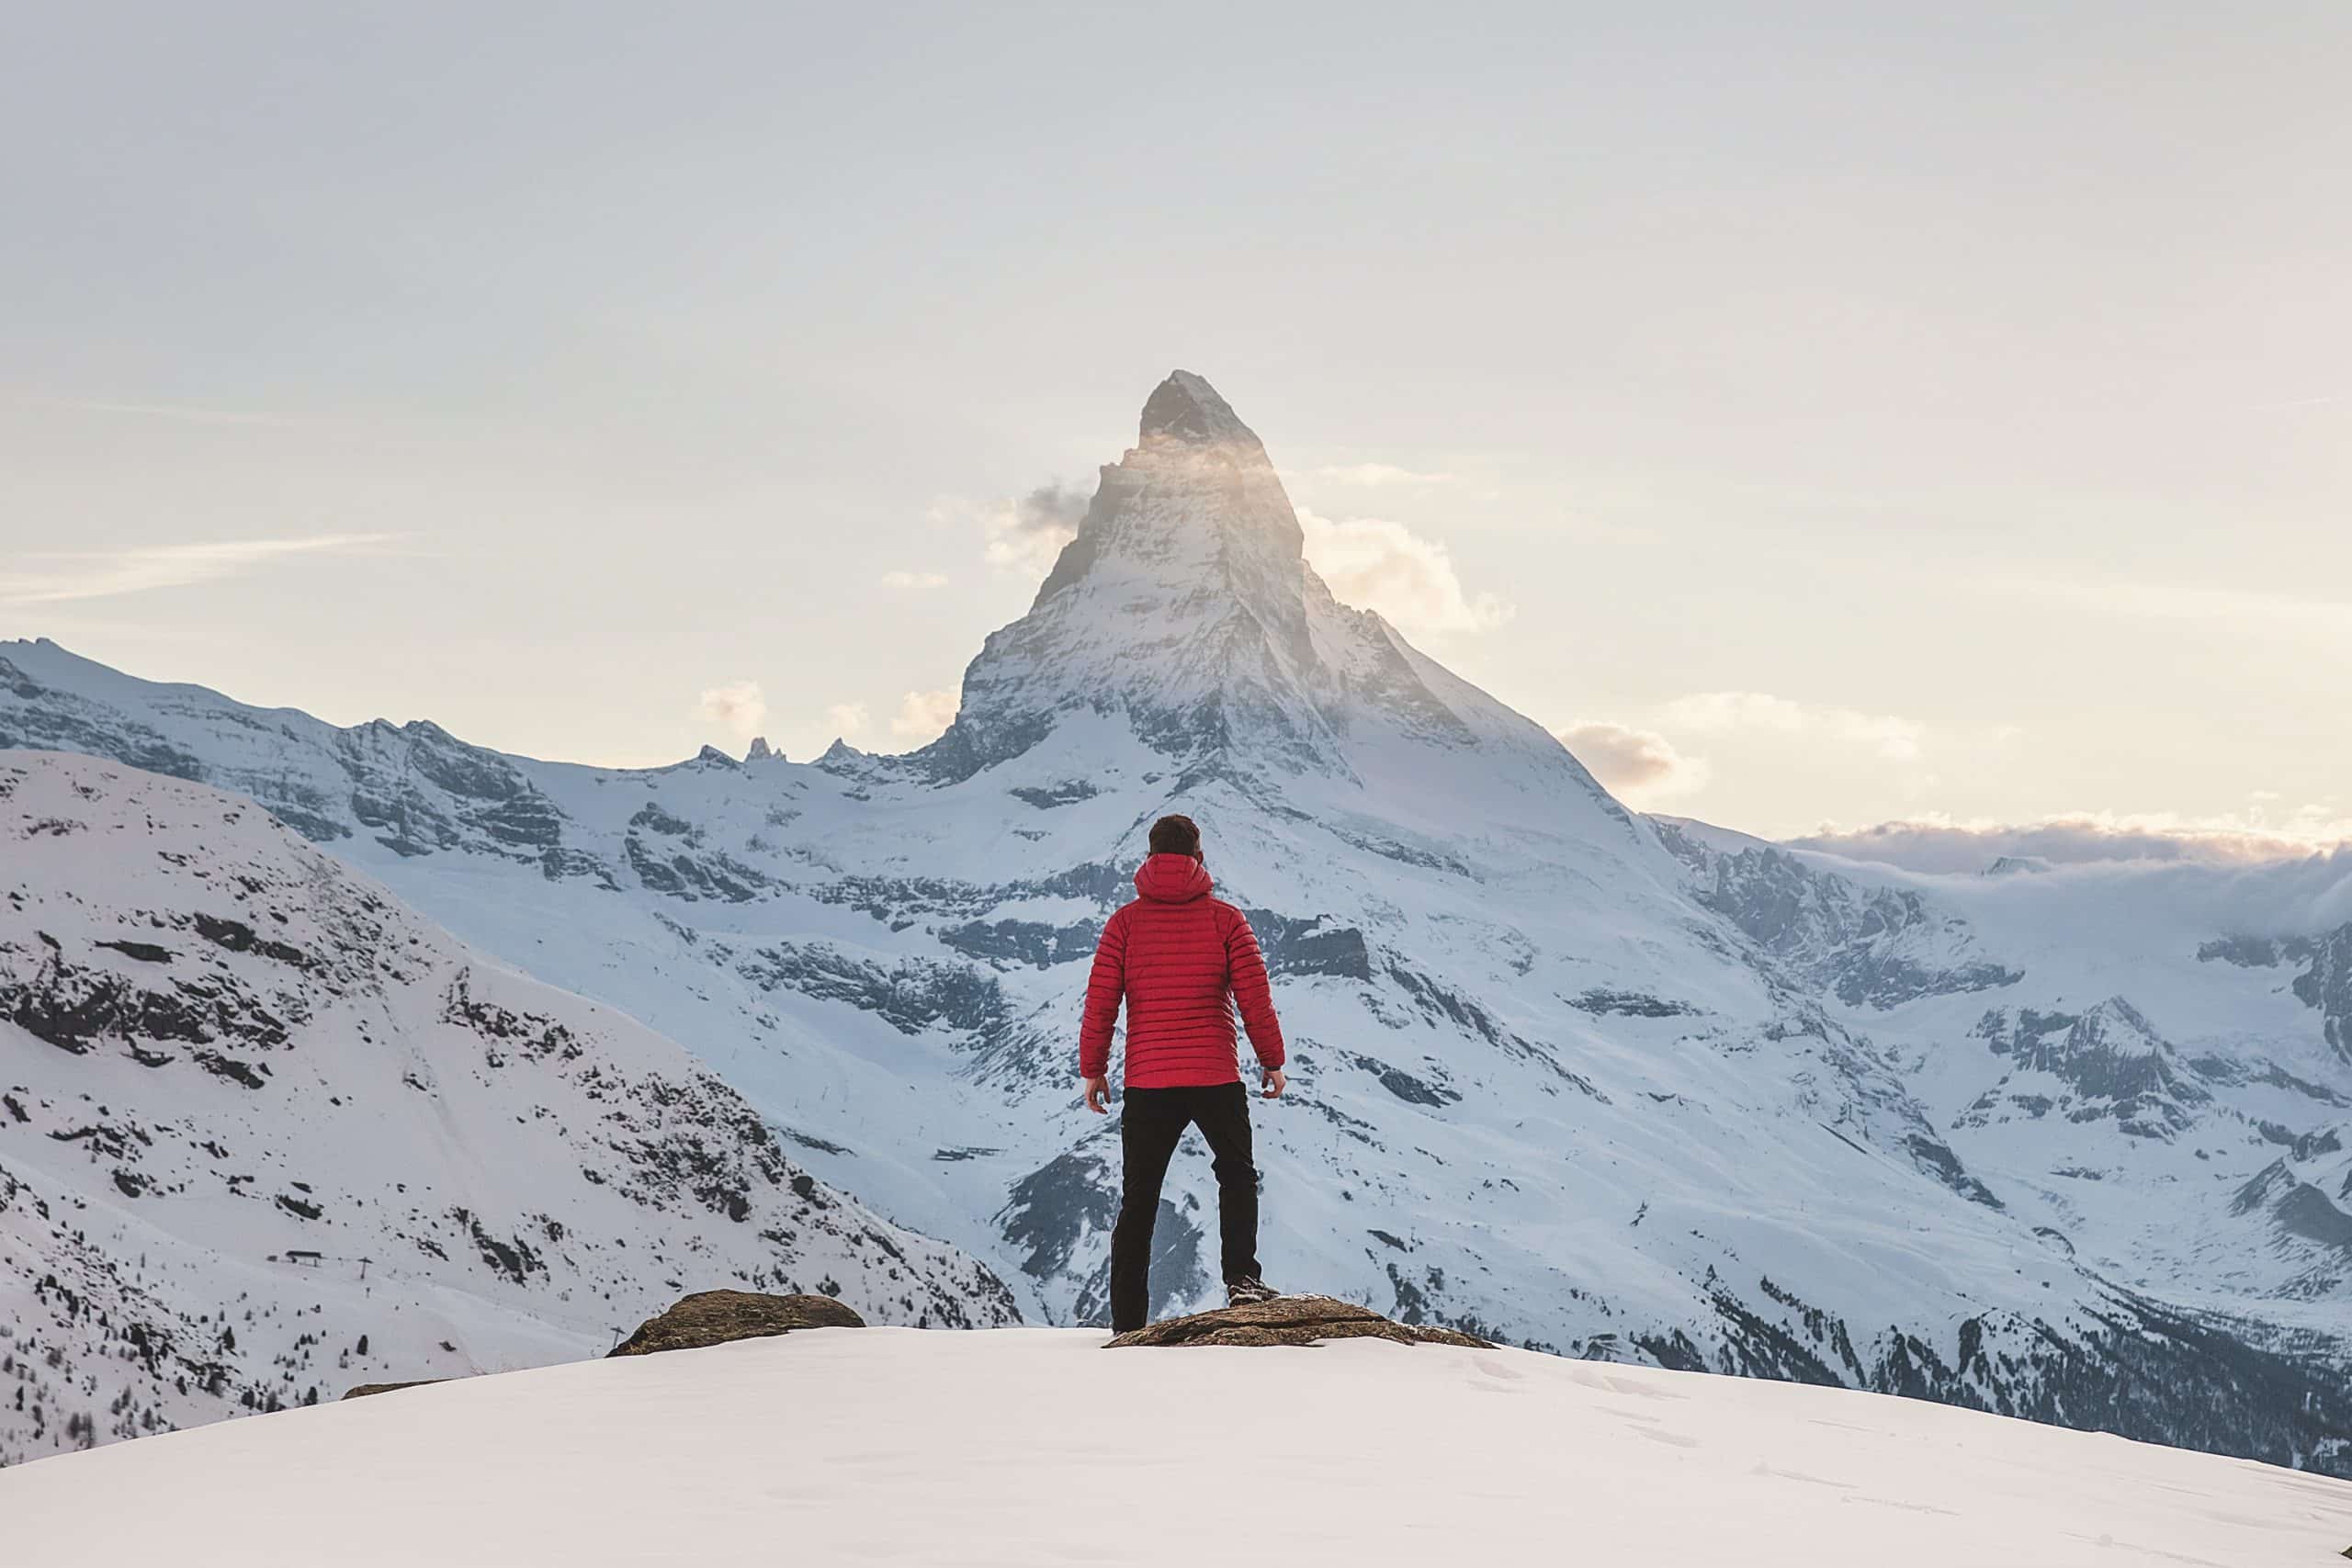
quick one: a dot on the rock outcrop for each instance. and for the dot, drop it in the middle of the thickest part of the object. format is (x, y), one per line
(715, 1317)
(1291, 1320)
(361, 1390)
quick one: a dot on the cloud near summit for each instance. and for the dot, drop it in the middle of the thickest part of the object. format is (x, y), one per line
(1025, 533)
(1371, 563)
(1407, 579)
(1639, 767)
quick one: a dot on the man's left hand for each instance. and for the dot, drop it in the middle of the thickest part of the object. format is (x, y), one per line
(1276, 1083)
(1098, 1094)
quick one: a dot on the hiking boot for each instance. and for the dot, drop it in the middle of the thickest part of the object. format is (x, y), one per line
(1241, 1292)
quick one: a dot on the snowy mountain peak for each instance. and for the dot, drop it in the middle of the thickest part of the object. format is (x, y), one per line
(1195, 506)
(1185, 410)
(2017, 866)
(1185, 614)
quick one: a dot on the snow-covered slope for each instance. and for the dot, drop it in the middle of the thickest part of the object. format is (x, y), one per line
(857, 1444)
(2149, 1060)
(265, 1134)
(1561, 1074)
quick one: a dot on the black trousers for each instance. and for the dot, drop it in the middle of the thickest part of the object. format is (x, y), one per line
(1151, 1123)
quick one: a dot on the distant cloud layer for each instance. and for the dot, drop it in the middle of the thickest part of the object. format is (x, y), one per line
(61, 575)
(1408, 579)
(848, 719)
(1639, 767)
(914, 580)
(923, 717)
(1933, 846)
(738, 705)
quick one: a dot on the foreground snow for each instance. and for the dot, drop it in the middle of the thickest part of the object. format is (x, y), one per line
(1029, 1446)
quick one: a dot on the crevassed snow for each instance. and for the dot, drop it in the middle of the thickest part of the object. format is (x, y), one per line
(1022, 1446)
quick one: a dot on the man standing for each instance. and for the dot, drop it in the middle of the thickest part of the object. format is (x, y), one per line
(1183, 962)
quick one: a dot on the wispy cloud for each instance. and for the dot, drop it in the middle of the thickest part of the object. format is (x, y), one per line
(925, 716)
(914, 580)
(848, 718)
(2251, 609)
(1409, 579)
(1020, 534)
(1640, 766)
(1893, 738)
(186, 413)
(1373, 475)
(740, 706)
(59, 576)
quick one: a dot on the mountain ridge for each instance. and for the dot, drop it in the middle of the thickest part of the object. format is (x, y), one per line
(239, 1081)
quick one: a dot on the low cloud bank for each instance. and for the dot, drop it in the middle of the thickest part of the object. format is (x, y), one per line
(1937, 847)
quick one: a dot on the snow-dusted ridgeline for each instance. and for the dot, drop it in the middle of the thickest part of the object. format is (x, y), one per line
(265, 1134)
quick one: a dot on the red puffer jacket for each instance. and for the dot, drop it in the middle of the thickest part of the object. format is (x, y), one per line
(1182, 961)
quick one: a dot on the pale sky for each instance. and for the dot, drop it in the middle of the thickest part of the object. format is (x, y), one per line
(1824, 414)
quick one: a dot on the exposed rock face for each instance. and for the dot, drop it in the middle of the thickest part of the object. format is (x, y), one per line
(2105, 1064)
(2325, 984)
(1291, 1320)
(1876, 947)
(715, 1317)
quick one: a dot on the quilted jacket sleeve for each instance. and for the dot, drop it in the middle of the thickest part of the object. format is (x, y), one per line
(1252, 993)
(1104, 987)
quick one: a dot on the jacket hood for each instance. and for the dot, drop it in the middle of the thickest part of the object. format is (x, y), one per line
(1172, 879)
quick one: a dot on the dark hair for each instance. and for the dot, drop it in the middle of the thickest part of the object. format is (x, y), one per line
(1175, 835)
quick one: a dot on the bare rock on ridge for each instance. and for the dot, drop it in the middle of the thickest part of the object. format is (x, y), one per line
(715, 1317)
(361, 1390)
(1291, 1320)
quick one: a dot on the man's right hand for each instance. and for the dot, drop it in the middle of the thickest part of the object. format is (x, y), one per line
(1097, 1095)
